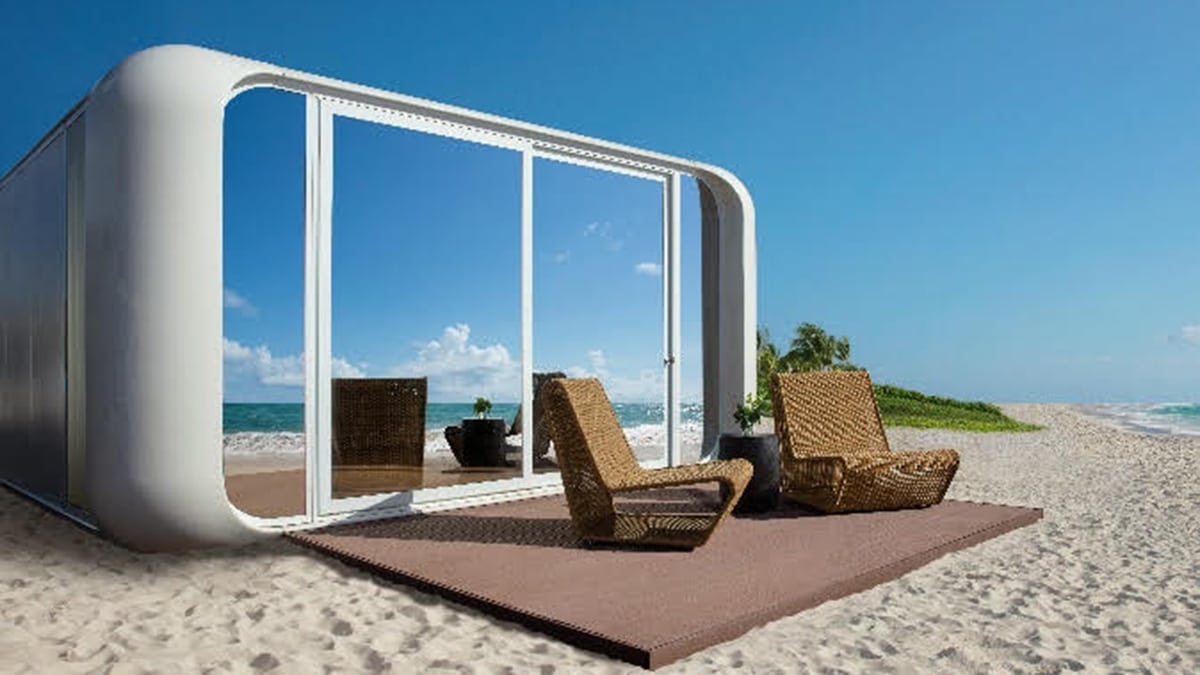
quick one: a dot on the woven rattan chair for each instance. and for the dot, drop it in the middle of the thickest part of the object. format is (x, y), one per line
(597, 462)
(834, 455)
(541, 425)
(378, 421)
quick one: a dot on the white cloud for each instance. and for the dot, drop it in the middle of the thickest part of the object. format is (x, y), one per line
(562, 257)
(652, 269)
(597, 366)
(280, 371)
(460, 371)
(645, 387)
(235, 351)
(343, 368)
(604, 232)
(286, 371)
(598, 361)
(1190, 334)
(234, 300)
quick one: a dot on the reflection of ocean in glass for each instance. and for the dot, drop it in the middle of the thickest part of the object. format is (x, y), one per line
(1150, 418)
(277, 428)
(263, 417)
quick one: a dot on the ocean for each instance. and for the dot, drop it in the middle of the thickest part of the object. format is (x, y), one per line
(1152, 418)
(277, 429)
(289, 417)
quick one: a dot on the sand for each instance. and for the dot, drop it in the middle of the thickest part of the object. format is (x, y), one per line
(1108, 581)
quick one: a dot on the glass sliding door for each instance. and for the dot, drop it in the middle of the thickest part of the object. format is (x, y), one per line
(423, 373)
(455, 273)
(598, 296)
(264, 383)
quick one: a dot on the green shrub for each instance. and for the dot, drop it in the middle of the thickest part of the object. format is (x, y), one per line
(907, 408)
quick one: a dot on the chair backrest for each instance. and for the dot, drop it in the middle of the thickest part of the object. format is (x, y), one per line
(378, 421)
(539, 381)
(827, 413)
(590, 446)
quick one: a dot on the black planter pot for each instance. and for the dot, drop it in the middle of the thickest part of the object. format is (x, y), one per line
(483, 442)
(761, 450)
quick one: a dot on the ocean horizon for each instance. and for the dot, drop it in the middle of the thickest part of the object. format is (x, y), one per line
(1169, 418)
(289, 417)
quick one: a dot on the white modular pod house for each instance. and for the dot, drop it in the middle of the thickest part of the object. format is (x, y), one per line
(115, 301)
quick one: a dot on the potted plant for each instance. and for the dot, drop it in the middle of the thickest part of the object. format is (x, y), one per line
(761, 450)
(483, 437)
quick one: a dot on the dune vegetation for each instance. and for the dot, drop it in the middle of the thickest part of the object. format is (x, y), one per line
(908, 408)
(814, 349)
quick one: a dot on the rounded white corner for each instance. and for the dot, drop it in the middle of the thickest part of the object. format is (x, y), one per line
(153, 216)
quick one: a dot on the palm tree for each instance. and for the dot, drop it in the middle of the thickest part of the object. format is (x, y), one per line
(814, 349)
(811, 349)
(768, 362)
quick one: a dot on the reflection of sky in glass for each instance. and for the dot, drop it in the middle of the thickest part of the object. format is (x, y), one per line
(598, 277)
(426, 260)
(426, 263)
(264, 246)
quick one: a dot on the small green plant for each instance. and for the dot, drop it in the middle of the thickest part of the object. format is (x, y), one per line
(749, 413)
(482, 407)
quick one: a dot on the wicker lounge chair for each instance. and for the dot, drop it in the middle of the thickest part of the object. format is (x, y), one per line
(596, 462)
(834, 455)
(541, 428)
(378, 422)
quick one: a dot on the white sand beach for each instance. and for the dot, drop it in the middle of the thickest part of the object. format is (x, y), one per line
(1107, 582)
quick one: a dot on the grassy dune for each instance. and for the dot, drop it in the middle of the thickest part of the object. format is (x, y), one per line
(908, 408)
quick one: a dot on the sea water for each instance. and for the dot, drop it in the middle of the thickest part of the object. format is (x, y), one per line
(1151, 418)
(260, 429)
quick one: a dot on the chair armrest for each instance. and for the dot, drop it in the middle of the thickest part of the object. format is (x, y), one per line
(732, 472)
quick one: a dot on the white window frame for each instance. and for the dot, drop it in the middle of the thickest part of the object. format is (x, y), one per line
(320, 506)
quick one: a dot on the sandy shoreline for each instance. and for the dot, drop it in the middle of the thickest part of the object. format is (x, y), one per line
(1106, 582)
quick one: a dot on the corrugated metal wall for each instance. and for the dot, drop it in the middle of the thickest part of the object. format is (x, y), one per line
(33, 249)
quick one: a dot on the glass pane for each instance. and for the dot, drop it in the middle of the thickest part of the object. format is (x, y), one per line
(263, 267)
(691, 335)
(426, 310)
(598, 294)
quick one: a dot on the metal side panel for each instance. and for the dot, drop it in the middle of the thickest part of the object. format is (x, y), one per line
(33, 221)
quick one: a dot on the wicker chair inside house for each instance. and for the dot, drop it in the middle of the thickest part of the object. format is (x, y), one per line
(379, 421)
(834, 455)
(596, 462)
(541, 424)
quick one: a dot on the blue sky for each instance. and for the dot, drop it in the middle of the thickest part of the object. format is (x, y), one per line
(991, 201)
(426, 263)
